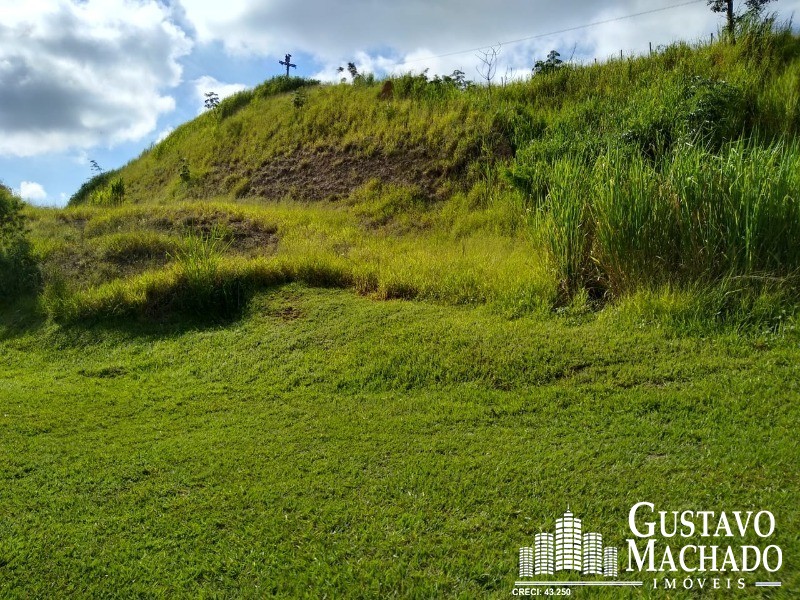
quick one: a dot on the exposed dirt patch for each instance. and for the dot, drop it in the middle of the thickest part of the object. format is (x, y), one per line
(84, 267)
(245, 235)
(330, 175)
(289, 313)
(71, 220)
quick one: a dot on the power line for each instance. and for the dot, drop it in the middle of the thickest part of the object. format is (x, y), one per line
(560, 31)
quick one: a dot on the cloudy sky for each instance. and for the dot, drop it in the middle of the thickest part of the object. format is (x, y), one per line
(102, 80)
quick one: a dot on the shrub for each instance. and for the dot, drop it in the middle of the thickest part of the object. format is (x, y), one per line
(90, 187)
(133, 247)
(282, 85)
(233, 104)
(715, 111)
(419, 87)
(18, 271)
(111, 195)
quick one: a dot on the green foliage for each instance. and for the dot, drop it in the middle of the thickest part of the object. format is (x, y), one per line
(110, 195)
(200, 289)
(380, 204)
(715, 111)
(94, 185)
(420, 87)
(695, 216)
(563, 222)
(18, 269)
(282, 85)
(199, 256)
(754, 10)
(589, 183)
(272, 87)
(12, 221)
(185, 173)
(629, 181)
(552, 64)
(231, 105)
(299, 99)
(134, 247)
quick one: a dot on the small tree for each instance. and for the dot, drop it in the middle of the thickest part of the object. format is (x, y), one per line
(487, 68)
(184, 172)
(754, 7)
(552, 64)
(459, 79)
(299, 98)
(355, 76)
(212, 100)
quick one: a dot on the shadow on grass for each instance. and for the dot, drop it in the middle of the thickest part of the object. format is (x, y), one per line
(26, 317)
(159, 309)
(20, 317)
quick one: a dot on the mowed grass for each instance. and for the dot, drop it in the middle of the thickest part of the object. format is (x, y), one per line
(327, 445)
(386, 393)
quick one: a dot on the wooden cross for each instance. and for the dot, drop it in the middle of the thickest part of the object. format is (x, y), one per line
(287, 63)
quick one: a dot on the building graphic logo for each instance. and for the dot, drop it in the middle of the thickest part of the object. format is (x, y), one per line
(675, 550)
(570, 549)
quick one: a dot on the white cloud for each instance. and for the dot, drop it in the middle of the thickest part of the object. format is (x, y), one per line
(75, 75)
(410, 35)
(32, 191)
(81, 157)
(164, 134)
(206, 84)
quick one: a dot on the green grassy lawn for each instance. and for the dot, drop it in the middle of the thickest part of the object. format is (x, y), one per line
(327, 445)
(359, 347)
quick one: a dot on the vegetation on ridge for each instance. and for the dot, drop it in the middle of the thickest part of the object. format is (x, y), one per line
(674, 172)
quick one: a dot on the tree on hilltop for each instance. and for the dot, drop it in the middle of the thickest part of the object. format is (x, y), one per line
(553, 63)
(754, 7)
(211, 101)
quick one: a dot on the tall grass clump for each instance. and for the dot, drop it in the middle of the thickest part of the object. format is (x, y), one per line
(740, 210)
(99, 186)
(566, 226)
(233, 104)
(695, 216)
(631, 218)
(198, 260)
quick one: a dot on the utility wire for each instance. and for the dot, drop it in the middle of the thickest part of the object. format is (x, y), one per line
(551, 33)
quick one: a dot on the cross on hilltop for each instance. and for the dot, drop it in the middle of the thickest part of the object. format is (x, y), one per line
(287, 62)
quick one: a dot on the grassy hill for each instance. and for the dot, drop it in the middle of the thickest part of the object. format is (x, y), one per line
(671, 172)
(319, 342)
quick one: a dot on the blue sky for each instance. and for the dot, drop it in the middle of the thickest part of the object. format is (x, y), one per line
(102, 80)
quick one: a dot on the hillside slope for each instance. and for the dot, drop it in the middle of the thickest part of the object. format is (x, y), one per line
(292, 138)
(677, 172)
